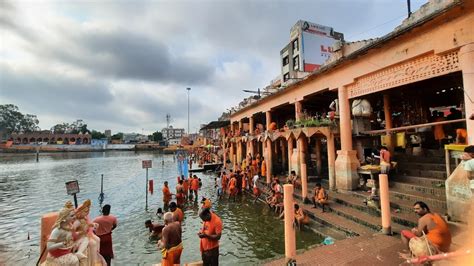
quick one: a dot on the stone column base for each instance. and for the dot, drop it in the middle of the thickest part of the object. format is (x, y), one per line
(346, 170)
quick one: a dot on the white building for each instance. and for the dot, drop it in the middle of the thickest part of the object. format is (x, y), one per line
(310, 46)
(134, 138)
(172, 133)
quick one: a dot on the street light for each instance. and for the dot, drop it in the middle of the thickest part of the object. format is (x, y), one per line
(188, 89)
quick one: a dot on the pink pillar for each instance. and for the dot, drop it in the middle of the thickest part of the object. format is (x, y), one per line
(298, 110)
(345, 120)
(466, 61)
(319, 162)
(283, 153)
(224, 158)
(385, 204)
(346, 162)
(268, 160)
(302, 155)
(251, 125)
(388, 120)
(290, 153)
(331, 161)
(268, 116)
(231, 154)
(252, 152)
(290, 238)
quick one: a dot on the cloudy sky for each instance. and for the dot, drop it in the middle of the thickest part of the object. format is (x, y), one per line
(123, 65)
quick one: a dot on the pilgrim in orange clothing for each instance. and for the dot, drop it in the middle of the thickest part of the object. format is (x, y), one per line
(186, 188)
(263, 168)
(178, 214)
(180, 193)
(195, 186)
(232, 186)
(431, 224)
(166, 194)
(320, 196)
(210, 234)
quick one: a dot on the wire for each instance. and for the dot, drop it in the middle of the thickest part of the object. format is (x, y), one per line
(375, 27)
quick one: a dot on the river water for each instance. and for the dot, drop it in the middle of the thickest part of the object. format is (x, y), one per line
(29, 189)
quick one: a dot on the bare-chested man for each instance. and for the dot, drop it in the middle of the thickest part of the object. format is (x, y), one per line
(170, 244)
(432, 225)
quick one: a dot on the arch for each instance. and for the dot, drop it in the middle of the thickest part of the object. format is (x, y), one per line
(53, 140)
(59, 140)
(18, 140)
(46, 140)
(25, 141)
(32, 140)
(39, 139)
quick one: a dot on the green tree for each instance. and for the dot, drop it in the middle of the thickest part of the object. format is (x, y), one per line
(118, 136)
(156, 136)
(61, 128)
(12, 120)
(97, 135)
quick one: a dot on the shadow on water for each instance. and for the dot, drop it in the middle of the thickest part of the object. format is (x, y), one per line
(29, 189)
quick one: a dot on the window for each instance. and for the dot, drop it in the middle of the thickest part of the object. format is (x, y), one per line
(296, 47)
(285, 61)
(296, 62)
(286, 77)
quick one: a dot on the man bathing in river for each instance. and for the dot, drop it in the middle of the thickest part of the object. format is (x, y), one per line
(166, 195)
(107, 223)
(154, 228)
(170, 244)
(178, 214)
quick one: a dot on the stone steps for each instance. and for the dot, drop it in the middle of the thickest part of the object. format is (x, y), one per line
(408, 188)
(418, 180)
(422, 166)
(434, 202)
(354, 202)
(423, 173)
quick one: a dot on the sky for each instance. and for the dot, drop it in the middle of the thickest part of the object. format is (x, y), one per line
(123, 65)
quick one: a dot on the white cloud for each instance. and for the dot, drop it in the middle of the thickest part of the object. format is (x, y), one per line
(124, 65)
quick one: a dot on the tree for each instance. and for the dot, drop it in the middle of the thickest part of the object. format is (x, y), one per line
(12, 120)
(156, 136)
(61, 128)
(118, 136)
(97, 135)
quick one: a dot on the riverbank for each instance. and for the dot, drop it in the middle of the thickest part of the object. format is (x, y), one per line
(81, 148)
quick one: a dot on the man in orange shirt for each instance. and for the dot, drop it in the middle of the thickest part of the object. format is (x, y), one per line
(195, 187)
(180, 193)
(107, 223)
(432, 225)
(210, 234)
(178, 214)
(320, 197)
(233, 187)
(166, 194)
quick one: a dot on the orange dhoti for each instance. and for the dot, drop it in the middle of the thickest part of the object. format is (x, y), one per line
(172, 256)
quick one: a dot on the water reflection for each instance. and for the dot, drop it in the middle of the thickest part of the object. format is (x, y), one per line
(29, 189)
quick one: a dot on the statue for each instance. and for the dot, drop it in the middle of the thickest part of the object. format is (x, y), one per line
(86, 243)
(60, 242)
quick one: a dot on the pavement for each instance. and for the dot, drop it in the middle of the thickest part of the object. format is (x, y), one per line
(362, 250)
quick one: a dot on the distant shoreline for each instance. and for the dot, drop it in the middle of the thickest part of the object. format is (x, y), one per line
(53, 148)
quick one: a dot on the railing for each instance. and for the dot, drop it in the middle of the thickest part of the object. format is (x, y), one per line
(395, 129)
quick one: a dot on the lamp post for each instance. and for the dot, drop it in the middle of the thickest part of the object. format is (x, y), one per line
(188, 89)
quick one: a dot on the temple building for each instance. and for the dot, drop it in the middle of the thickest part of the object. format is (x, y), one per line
(410, 90)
